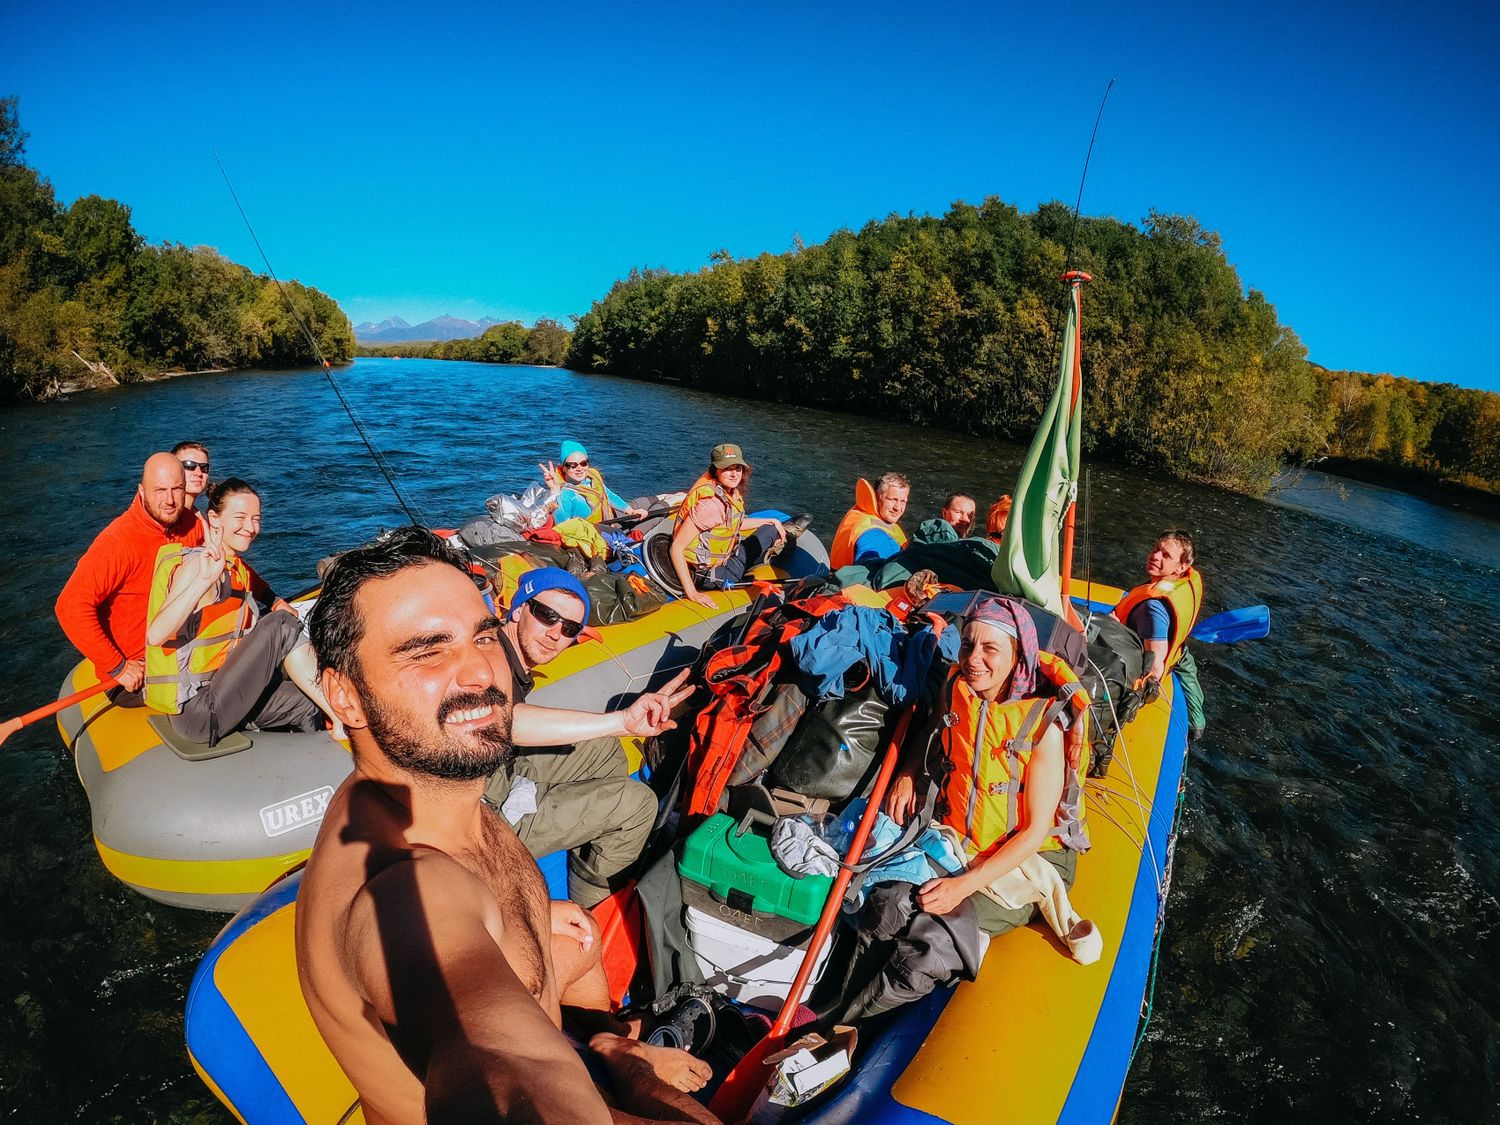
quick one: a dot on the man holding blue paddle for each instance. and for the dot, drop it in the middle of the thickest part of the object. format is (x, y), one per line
(1162, 612)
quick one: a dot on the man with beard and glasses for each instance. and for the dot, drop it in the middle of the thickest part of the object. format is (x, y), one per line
(431, 960)
(102, 607)
(581, 798)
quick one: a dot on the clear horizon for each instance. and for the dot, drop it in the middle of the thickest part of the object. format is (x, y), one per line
(515, 164)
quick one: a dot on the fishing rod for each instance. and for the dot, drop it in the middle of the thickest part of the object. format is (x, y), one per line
(1089, 155)
(1075, 278)
(327, 368)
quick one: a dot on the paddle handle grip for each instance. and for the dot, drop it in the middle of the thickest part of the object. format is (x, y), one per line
(820, 936)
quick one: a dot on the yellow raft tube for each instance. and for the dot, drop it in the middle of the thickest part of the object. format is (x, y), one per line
(1036, 1038)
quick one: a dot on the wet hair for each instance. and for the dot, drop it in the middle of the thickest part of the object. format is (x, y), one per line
(183, 446)
(1184, 541)
(336, 625)
(948, 503)
(220, 493)
(891, 480)
(994, 523)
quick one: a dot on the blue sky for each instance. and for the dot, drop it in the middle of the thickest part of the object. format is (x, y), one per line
(513, 161)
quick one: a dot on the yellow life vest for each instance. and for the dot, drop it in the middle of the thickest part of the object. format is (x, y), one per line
(176, 670)
(987, 748)
(591, 488)
(1184, 598)
(583, 535)
(858, 520)
(712, 547)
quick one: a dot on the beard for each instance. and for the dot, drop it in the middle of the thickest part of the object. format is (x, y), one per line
(159, 515)
(444, 755)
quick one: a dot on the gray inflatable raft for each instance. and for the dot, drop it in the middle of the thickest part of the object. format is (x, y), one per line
(211, 829)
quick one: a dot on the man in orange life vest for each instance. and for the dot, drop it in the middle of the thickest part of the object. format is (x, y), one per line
(102, 608)
(1162, 612)
(871, 529)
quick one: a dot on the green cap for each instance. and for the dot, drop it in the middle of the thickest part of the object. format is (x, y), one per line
(726, 455)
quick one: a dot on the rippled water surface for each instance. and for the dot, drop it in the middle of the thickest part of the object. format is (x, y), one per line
(1333, 934)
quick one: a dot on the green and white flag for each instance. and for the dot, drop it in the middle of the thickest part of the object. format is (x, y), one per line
(1030, 562)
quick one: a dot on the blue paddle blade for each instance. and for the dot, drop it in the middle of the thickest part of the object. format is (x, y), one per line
(1248, 624)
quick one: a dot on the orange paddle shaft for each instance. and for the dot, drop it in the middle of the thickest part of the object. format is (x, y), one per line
(744, 1082)
(10, 726)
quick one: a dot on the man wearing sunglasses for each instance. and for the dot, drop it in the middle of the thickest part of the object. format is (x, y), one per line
(580, 797)
(195, 466)
(579, 490)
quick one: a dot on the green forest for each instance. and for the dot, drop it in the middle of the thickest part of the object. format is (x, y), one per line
(955, 321)
(85, 301)
(950, 321)
(545, 343)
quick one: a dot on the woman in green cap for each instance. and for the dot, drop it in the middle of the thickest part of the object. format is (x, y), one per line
(707, 551)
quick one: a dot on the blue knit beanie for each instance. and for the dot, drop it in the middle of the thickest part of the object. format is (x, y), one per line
(533, 582)
(571, 447)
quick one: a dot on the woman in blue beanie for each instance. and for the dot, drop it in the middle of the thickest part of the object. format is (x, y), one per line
(580, 488)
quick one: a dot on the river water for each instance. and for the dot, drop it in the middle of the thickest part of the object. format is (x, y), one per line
(1333, 932)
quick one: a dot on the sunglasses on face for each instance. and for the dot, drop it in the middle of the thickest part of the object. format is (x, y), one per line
(550, 617)
(195, 466)
(576, 464)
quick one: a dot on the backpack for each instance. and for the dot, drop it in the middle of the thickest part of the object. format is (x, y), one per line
(741, 679)
(1116, 659)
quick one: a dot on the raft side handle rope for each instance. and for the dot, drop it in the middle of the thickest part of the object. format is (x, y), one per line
(1140, 801)
(364, 434)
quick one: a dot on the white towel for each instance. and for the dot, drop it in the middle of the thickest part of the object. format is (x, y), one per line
(1037, 881)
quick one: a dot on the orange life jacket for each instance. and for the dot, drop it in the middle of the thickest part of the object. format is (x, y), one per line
(176, 670)
(858, 520)
(987, 748)
(591, 488)
(741, 678)
(1184, 598)
(712, 547)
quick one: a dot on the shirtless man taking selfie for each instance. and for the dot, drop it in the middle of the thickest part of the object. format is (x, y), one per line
(432, 961)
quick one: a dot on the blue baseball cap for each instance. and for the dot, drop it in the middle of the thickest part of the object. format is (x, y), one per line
(533, 582)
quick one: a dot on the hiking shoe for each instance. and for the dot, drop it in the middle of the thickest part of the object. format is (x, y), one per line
(922, 587)
(792, 529)
(325, 565)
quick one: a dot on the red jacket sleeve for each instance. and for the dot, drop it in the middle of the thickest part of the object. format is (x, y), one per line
(79, 607)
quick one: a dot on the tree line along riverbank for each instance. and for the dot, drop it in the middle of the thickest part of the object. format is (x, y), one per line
(85, 301)
(951, 320)
(956, 320)
(545, 343)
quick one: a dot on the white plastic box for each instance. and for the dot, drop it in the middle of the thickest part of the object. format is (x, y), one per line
(745, 966)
